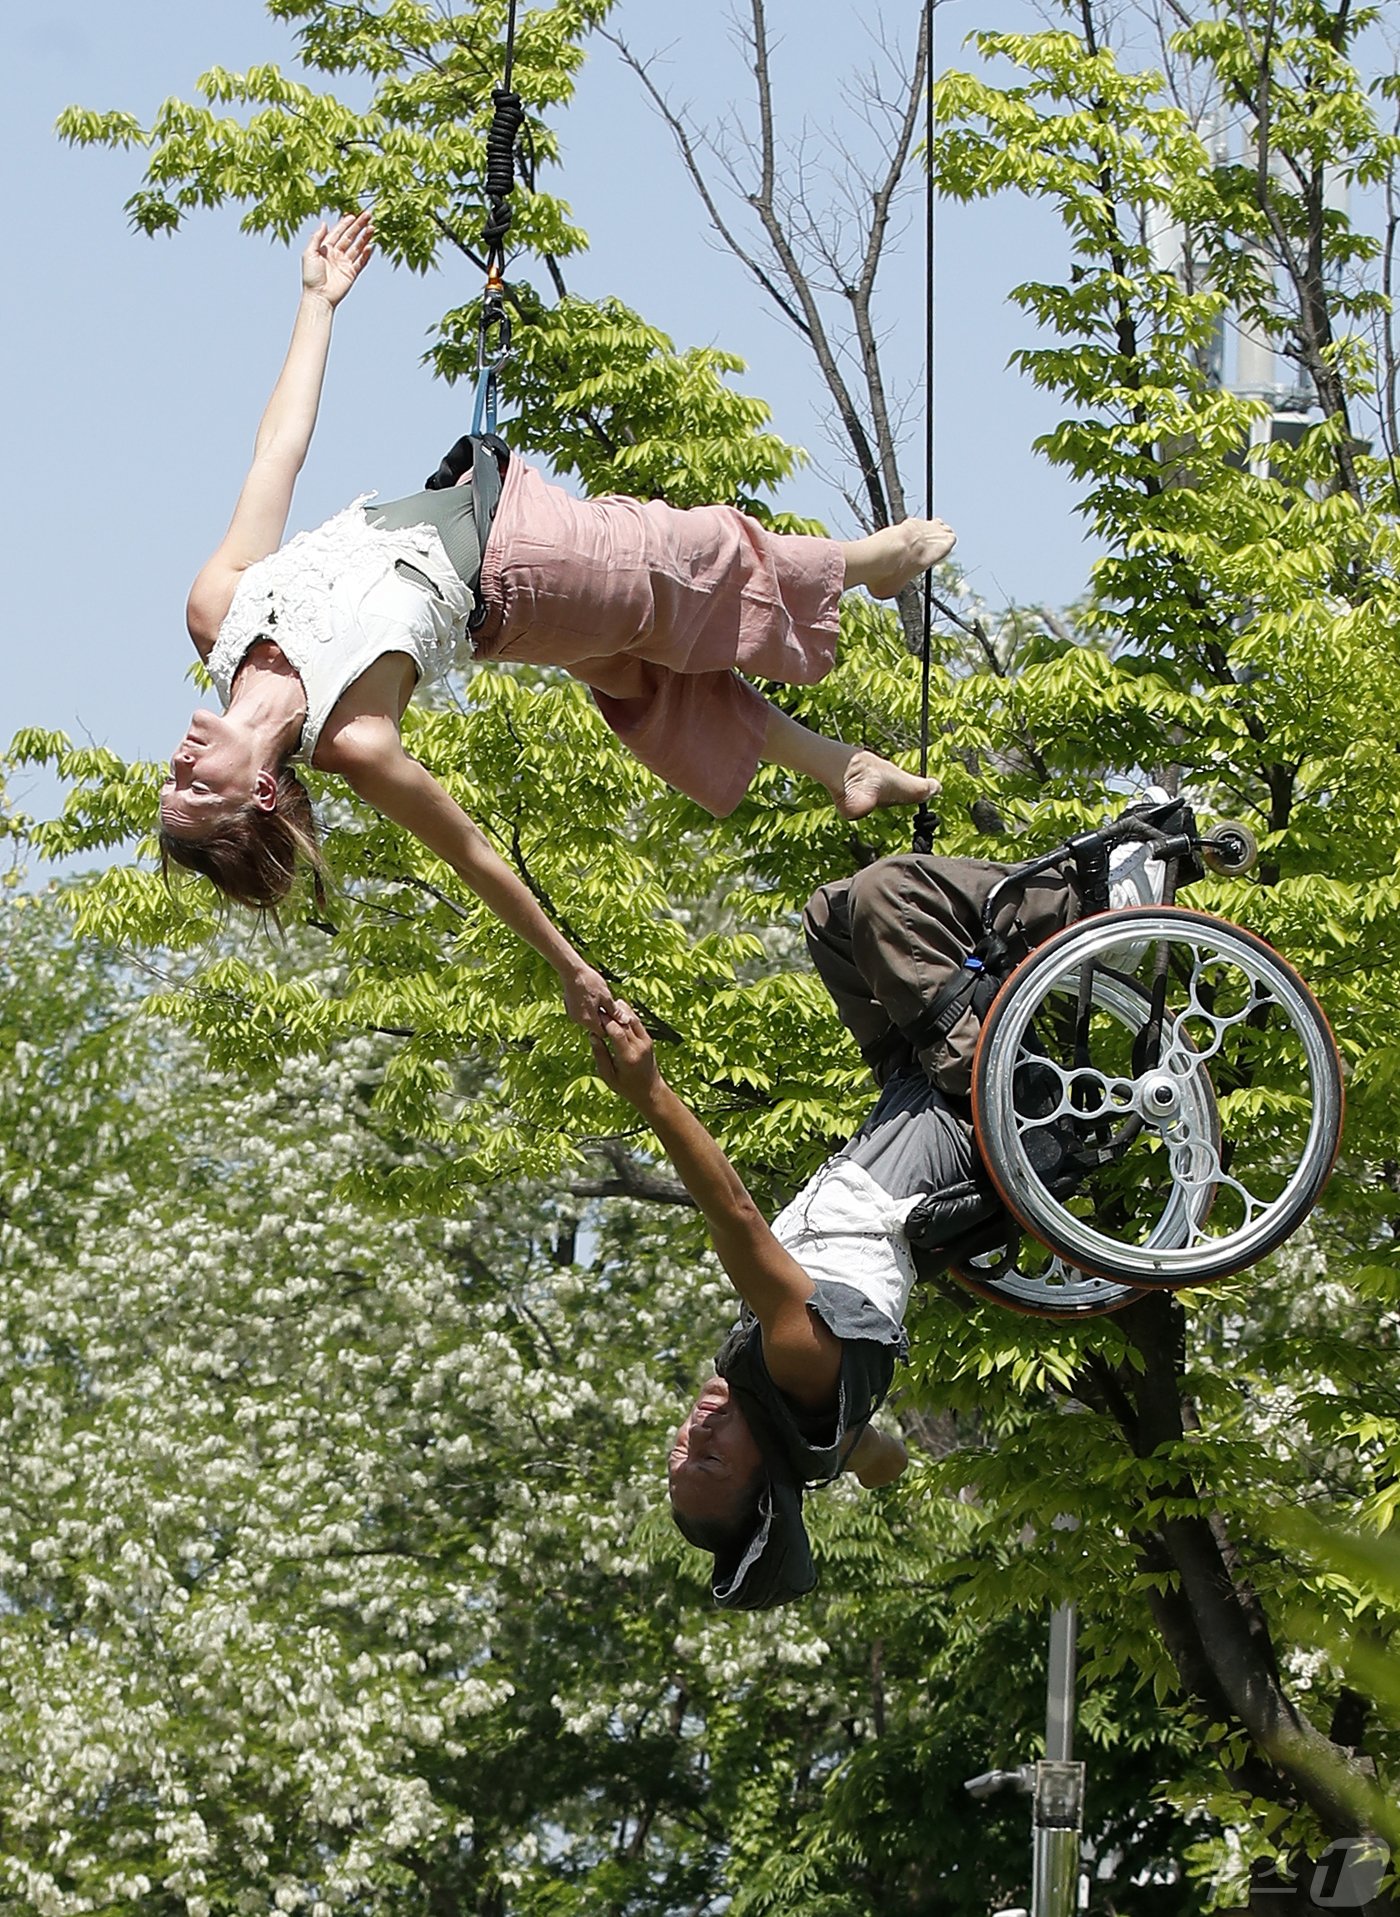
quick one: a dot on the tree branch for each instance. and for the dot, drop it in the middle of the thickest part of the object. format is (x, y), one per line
(630, 1177)
(1218, 1641)
(686, 147)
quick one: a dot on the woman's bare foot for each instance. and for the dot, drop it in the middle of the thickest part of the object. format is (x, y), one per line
(871, 782)
(885, 562)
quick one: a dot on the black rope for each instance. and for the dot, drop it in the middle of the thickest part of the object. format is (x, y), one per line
(493, 328)
(926, 819)
(510, 47)
(506, 123)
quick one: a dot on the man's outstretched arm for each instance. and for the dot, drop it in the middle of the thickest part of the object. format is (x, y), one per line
(802, 1355)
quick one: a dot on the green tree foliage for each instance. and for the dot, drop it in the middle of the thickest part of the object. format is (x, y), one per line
(1240, 634)
(603, 395)
(1240, 631)
(334, 1575)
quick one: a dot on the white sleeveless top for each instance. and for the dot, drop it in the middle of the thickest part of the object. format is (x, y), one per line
(332, 600)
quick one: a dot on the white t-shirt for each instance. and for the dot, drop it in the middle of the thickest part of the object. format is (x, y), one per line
(845, 1227)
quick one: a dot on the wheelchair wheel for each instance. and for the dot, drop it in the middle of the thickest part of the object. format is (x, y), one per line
(1157, 1147)
(1025, 1277)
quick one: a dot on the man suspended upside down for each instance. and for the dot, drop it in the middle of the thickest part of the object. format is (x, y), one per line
(825, 1287)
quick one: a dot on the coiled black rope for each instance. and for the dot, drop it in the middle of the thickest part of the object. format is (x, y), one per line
(506, 123)
(493, 332)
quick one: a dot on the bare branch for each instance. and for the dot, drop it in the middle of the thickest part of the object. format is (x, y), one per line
(863, 292)
(762, 201)
(686, 146)
(803, 258)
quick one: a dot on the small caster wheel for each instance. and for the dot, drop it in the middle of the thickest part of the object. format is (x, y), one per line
(1229, 848)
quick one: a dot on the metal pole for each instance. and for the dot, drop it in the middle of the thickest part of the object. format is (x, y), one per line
(1059, 1689)
(1059, 1783)
(1055, 1872)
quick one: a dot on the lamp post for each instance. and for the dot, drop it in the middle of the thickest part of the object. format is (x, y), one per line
(1055, 1785)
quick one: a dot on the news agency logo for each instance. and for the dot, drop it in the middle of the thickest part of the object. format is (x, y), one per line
(1346, 1876)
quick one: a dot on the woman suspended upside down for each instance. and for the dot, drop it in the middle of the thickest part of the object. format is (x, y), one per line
(316, 647)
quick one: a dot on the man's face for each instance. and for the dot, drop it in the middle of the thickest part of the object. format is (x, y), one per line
(715, 1457)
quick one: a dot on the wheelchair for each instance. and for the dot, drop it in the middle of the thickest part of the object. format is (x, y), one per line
(1156, 1095)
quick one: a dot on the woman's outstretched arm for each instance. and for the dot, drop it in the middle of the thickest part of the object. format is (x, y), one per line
(367, 754)
(329, 268)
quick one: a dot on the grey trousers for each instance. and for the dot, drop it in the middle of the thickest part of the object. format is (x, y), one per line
(886, 942)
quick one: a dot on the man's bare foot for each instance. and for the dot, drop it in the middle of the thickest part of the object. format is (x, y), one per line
(885, 562)
(871, 782)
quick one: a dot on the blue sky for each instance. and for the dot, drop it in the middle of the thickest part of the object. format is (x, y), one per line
(136, 369)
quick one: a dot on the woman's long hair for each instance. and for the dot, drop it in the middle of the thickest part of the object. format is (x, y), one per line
(253, 857)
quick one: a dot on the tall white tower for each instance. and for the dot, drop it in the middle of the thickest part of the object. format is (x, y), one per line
(1242, 359)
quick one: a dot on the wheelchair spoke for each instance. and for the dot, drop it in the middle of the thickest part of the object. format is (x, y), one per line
(1028, 1278)
(1157, 1097)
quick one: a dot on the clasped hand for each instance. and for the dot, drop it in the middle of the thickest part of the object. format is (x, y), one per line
(625, 1057)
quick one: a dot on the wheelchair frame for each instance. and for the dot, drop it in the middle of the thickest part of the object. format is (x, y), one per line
(1156, 1095)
